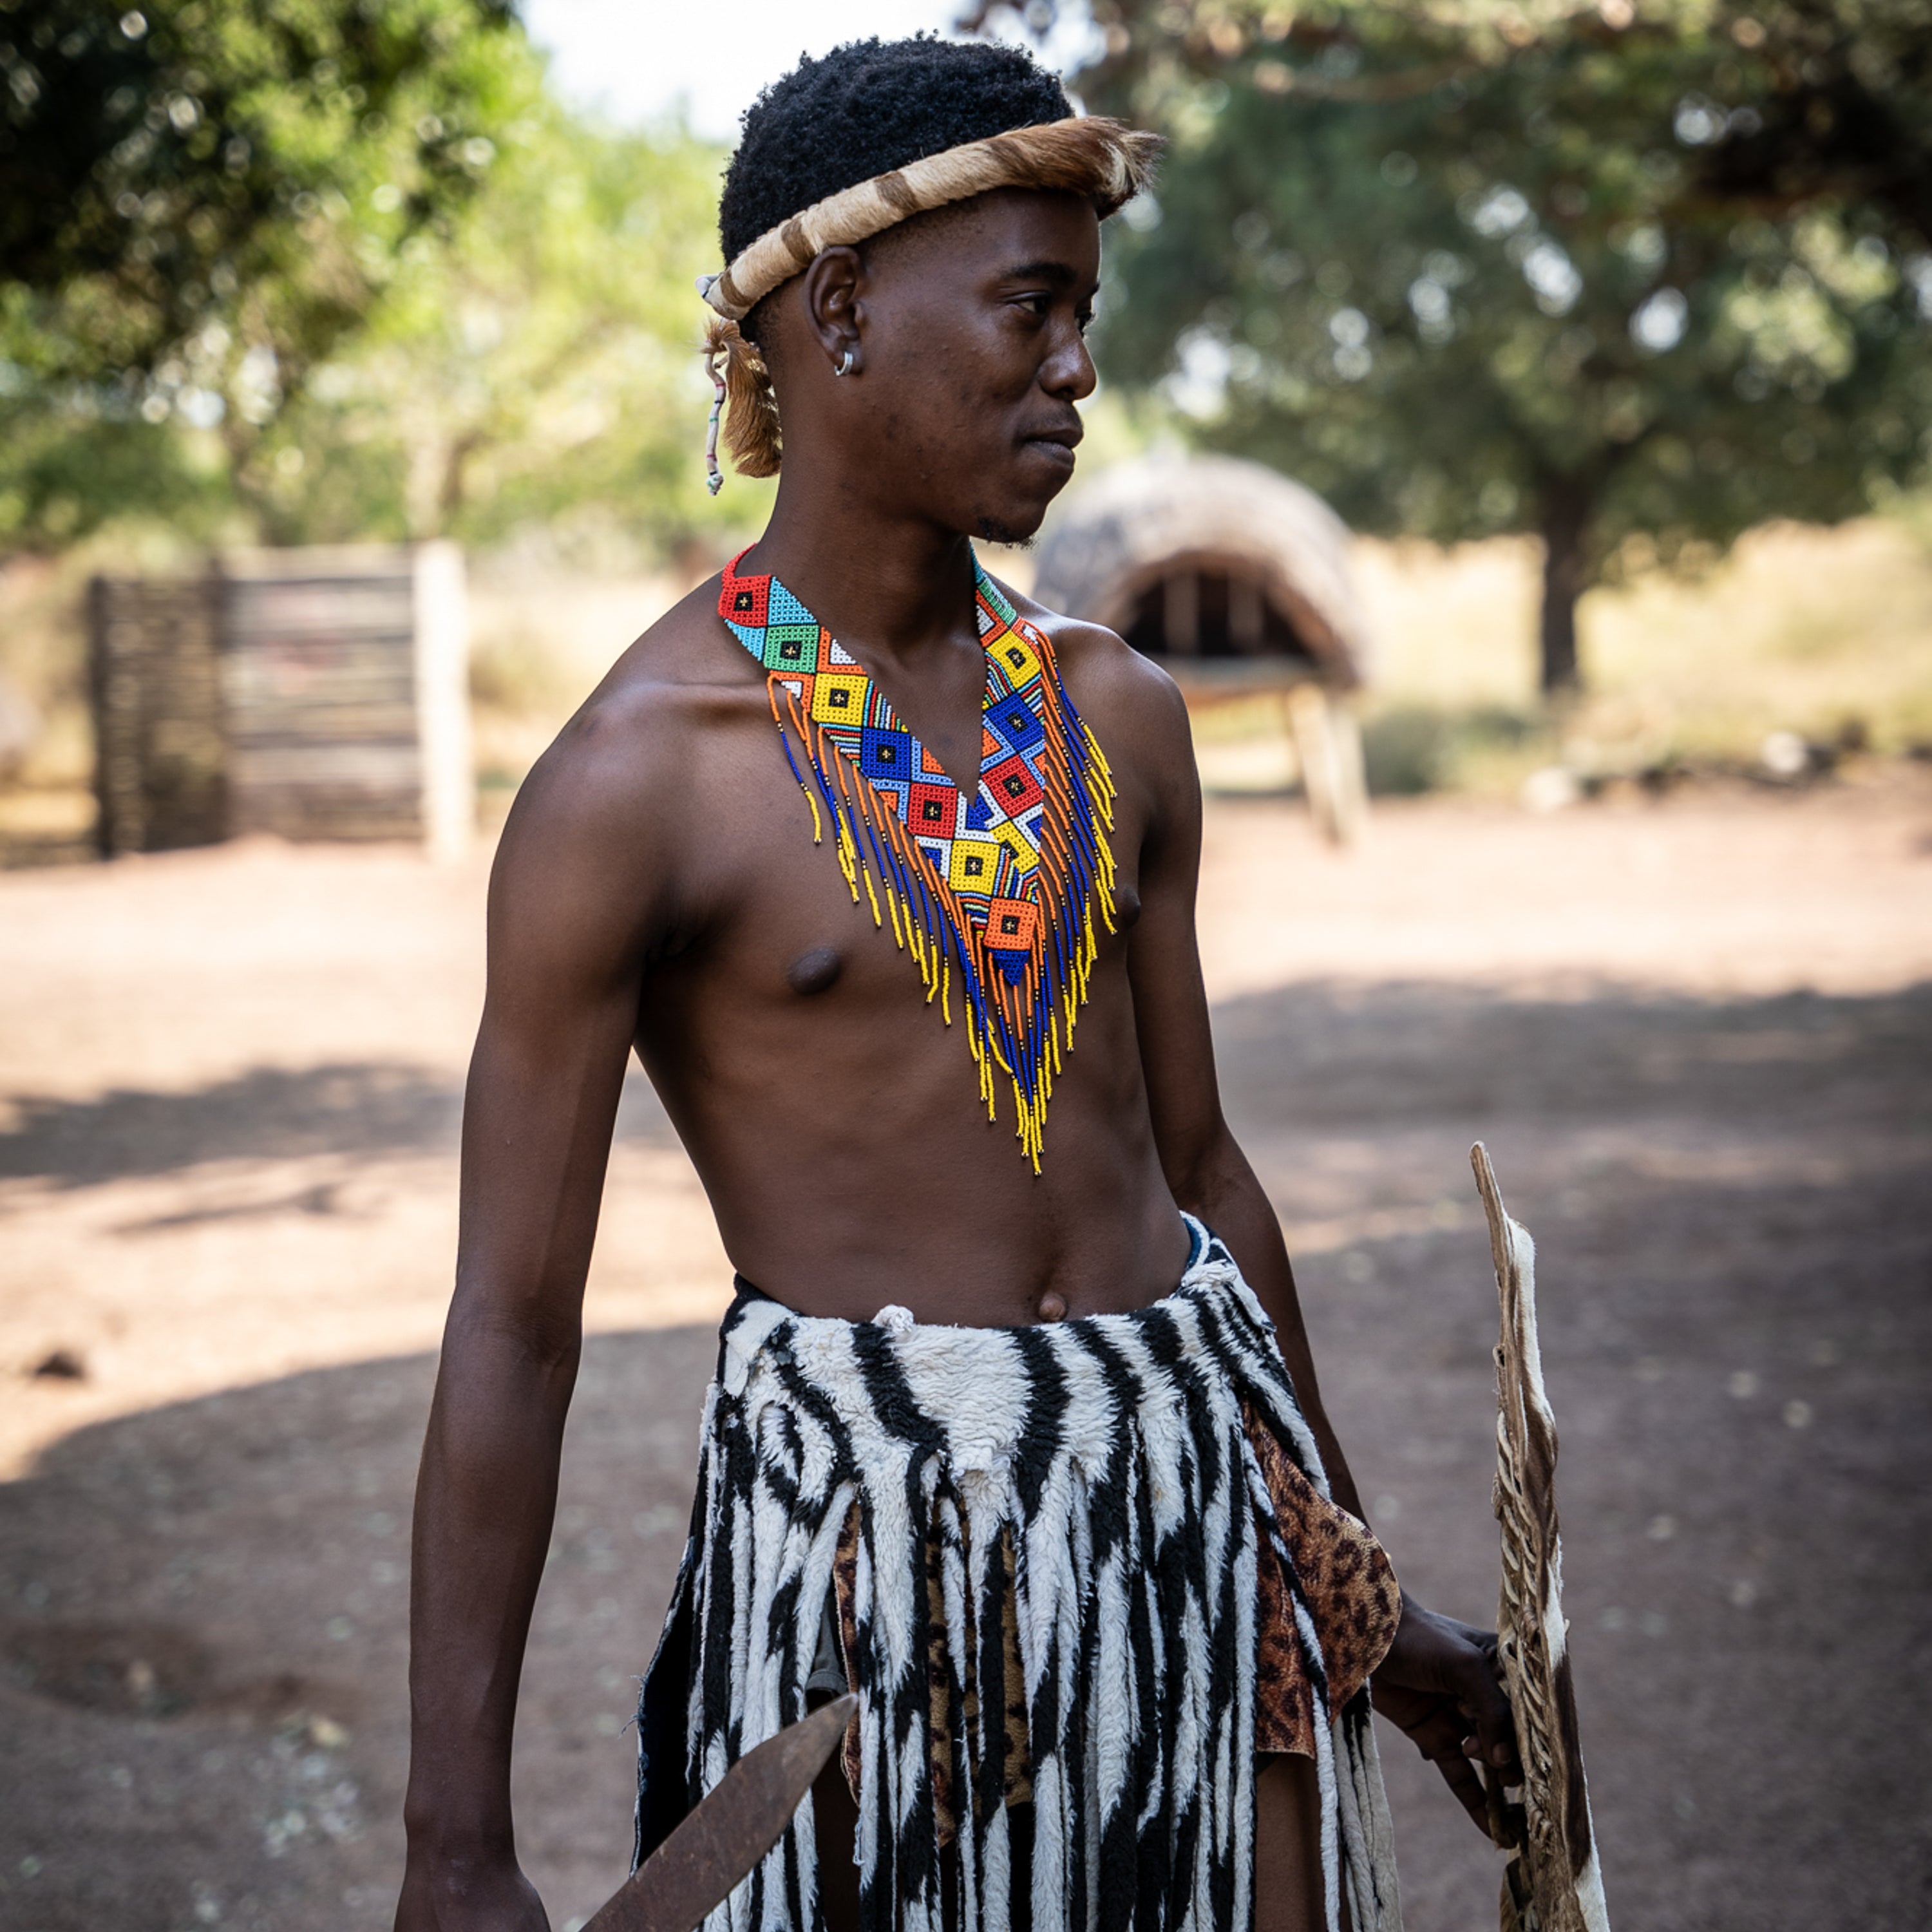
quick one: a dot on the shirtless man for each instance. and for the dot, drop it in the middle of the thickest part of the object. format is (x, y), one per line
(658, 890)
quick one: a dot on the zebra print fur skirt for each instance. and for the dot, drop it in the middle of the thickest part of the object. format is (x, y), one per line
(1079, 1506)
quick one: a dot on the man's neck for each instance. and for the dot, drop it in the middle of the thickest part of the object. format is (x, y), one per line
(896, 586)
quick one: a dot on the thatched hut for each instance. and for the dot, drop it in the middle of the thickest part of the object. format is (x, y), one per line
(1236, 580)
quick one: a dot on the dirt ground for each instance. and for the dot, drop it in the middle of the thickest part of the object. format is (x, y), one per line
(1696, 1036)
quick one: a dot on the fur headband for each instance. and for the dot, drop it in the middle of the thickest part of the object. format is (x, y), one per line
(1105, 160)
(1084, 155)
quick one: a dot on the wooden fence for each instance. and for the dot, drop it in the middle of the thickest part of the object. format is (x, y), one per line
(307, 694)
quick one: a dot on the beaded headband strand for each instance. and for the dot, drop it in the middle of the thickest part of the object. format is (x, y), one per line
(1087, 154)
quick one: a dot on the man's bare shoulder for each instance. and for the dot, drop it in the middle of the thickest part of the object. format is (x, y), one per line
(1111, 681)
(635, 735)
(685, 674)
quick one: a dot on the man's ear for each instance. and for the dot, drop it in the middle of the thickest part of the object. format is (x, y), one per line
(832, 304)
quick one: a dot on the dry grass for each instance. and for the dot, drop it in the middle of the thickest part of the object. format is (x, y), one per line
(1801, 629)
(1827, 633)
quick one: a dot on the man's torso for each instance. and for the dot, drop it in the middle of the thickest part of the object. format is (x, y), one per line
(833, 1117)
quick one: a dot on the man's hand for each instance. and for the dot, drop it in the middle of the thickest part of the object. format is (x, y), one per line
(468, 1895)
(1438, 1682)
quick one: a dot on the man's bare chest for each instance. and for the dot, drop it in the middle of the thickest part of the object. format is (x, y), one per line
(805, 948)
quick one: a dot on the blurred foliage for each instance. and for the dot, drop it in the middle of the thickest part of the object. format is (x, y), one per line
(217, 188)
(535, 366)
(293, 270)
(1633, 281)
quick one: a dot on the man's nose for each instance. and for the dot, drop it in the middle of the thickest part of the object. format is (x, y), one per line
(1070, 375)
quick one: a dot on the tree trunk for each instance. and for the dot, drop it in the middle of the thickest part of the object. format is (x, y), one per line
(1565, 523)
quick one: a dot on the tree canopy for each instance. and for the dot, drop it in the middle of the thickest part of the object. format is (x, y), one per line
(305, 271)
(198, 200)
(536, 365)
(1613, 278)
(156, 164)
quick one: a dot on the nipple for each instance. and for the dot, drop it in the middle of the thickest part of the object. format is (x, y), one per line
(1052, 1307)
(815, 971)
(1127, 907)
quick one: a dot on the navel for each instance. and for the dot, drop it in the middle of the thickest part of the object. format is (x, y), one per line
(815, 971)
(1052, 1307)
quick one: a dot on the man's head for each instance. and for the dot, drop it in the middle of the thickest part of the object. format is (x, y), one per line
(911, 230)
(865, 109)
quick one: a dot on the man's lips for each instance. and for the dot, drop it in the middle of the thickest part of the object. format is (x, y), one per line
(1056, 445)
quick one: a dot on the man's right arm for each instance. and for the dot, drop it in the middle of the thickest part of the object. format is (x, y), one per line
(575, 906)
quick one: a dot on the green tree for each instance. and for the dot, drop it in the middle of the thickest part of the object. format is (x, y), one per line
(198, 200)
(1623, 280)
(536, 364)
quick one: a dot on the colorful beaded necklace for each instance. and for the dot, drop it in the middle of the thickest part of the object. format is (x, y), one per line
(1000, 887)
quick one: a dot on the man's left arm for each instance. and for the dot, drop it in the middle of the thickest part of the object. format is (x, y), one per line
(1439, 1681)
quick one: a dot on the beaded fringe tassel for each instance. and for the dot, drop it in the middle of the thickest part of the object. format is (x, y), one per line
(1021, 1028)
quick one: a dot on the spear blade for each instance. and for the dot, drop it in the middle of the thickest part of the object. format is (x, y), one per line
(720, 1841)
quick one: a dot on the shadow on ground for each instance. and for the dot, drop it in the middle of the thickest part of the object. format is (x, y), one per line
(203, 1644)
(202, 1608)
(1328, 1056)
(351, 1109)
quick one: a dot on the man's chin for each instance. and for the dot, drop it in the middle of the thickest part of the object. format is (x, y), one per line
(1016, 536)
(1012, 519)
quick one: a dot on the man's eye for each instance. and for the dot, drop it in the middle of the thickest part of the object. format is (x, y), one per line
(1084, 320)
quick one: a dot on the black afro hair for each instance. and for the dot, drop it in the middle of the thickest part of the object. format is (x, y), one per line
(868, 106)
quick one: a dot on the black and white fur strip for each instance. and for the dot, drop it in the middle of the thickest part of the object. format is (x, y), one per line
(1112, 1452)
